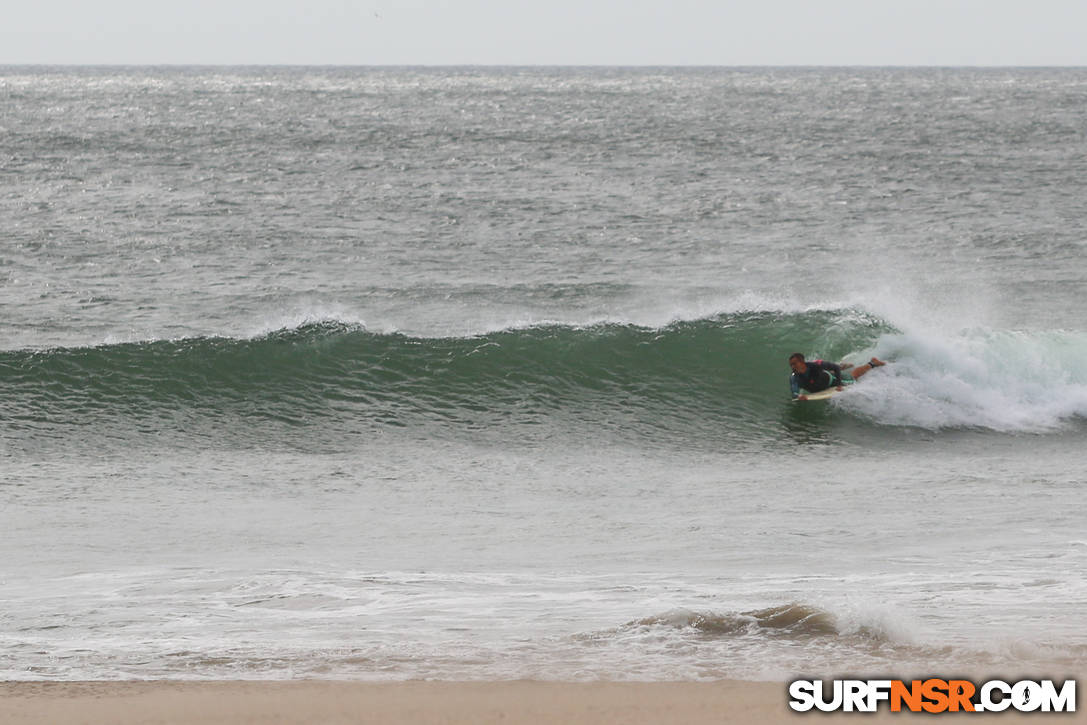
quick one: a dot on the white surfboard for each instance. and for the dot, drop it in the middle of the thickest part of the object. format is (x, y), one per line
(821, 395)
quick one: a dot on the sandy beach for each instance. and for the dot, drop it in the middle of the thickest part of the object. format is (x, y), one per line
(332, 703)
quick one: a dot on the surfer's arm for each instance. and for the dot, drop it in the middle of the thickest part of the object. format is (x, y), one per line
(794, 385)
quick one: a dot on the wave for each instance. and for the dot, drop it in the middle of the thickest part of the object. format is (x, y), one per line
(999, 380)
(780, 641)
(714, 377)
(793, 620)
(774, 642)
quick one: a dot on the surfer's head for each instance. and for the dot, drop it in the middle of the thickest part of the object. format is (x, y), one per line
(796, 362)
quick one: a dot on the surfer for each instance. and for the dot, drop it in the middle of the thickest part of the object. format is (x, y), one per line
(812, 376)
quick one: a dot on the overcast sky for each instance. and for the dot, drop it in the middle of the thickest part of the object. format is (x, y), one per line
(547, 32)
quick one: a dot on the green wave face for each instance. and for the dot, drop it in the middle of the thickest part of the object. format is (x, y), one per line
(717, 379)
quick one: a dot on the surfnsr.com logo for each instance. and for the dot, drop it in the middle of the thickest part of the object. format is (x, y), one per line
(932, 695)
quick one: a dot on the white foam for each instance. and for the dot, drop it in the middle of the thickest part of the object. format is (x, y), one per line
(1001, 380)
(296, 318)
(878, 620)
(652, 309)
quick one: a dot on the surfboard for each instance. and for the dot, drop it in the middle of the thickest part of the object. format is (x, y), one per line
(822, 394)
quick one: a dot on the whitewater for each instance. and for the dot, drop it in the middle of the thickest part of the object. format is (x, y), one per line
(482, 373)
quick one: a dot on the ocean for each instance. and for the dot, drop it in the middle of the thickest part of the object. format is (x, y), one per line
(481, 373)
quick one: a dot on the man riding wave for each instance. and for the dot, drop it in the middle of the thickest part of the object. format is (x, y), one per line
(812, 376)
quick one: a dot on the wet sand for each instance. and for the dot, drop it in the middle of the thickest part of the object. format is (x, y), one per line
(510, 703)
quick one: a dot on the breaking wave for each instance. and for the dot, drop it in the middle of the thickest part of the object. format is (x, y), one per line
(722, 377)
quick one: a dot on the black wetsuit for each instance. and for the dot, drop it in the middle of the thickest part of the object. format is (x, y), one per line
(820, 375)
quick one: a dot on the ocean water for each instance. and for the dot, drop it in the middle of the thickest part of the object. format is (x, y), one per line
(472, 373)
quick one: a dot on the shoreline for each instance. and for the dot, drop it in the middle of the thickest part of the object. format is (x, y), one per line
(514, 702)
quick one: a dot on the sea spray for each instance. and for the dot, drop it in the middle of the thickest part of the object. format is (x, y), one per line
(977, 378)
